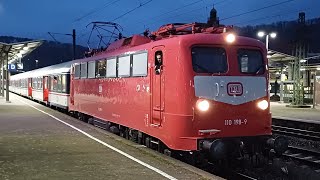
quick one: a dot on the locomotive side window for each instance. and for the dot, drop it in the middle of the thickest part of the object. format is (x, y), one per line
(91, 69)
(140, 64)
(158, 62)
(250, 61)
(77, 71)
(124, 66)
(112, 67)
(84, 70)
(209, 60)
(101, 68)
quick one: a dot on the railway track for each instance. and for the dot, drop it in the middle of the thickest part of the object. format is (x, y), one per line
(300, 133)
(307, 156)
(295, 132)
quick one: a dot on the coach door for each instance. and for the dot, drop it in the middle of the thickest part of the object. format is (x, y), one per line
(45, 88)
(30, 87)
(157, 80)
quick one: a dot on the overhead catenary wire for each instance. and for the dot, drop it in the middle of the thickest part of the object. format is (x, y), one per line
(173, 10)
(96, 10)
(141, 5)
(271, 16)
(248, 12)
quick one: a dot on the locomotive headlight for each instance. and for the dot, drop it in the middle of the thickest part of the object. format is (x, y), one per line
(230, 38)
(203, 105)
(263, 104)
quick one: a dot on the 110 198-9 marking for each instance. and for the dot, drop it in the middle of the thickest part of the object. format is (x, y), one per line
(235, 122)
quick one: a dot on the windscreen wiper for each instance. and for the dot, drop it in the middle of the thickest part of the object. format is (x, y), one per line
(203, 68)
(259, 68)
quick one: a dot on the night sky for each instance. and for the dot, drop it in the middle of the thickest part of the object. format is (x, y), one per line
(34, 18)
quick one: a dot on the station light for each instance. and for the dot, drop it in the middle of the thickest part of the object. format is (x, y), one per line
(273, 35)
(230, 38)
(263, 105)
(203, 105)
(318, 69)
(261, 33)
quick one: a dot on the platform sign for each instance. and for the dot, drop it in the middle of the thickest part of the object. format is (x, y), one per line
(19, 66)
(12, 67)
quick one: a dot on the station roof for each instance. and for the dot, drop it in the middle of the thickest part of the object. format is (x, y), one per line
(17, 50)
(275, 56)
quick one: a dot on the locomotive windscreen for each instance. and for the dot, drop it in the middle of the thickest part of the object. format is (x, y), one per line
(209, 60)
(250, 61)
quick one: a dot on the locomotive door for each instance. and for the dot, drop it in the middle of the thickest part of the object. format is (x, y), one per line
(30, 87)
(157, 79)
(45, 88)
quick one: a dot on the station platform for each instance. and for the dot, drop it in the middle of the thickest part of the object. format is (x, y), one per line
(280, 111)
(37, 142)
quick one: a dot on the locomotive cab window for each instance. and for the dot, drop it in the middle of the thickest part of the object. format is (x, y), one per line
(250, 61)
(158, 62)
(209, 60)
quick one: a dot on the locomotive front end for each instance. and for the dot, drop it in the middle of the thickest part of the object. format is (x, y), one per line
(231, 104)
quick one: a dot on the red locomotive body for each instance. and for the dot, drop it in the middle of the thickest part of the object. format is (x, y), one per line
(208, 88)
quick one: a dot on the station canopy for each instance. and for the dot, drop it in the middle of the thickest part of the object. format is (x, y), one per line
(18, 50)
(275, 56)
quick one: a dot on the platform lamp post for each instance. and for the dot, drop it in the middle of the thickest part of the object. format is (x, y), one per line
(273, 35)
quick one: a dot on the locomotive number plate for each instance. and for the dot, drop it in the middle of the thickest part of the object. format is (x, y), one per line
(235, 122)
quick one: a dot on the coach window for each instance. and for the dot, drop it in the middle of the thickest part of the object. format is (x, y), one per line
(54, 83)
(84, 70)
(112, 67)
(101, 68)
(40, 83)
(209, 60)
(77, 71)
(140, 64)
(64, 83)
(91, 69)
(250, 61)
(34, 83)
(124, 66)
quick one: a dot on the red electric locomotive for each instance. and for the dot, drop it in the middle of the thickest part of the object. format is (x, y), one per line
(186, 87)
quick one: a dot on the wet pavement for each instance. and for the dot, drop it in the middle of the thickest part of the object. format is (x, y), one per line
(279, 110)
(34, 145)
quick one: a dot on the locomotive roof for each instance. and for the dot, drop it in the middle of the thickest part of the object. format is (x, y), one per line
(49, 70)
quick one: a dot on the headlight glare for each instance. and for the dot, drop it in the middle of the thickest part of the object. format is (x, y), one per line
(263, 104)
(203, 105)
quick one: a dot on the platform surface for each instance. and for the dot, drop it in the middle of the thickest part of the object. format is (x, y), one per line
(279, 110)
(35, 145)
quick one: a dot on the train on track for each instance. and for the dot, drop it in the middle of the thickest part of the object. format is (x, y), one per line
(186, 87)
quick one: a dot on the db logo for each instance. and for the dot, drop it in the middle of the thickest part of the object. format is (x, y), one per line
(235, 89)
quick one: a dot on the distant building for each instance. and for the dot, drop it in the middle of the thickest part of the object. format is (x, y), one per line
(213, 20)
